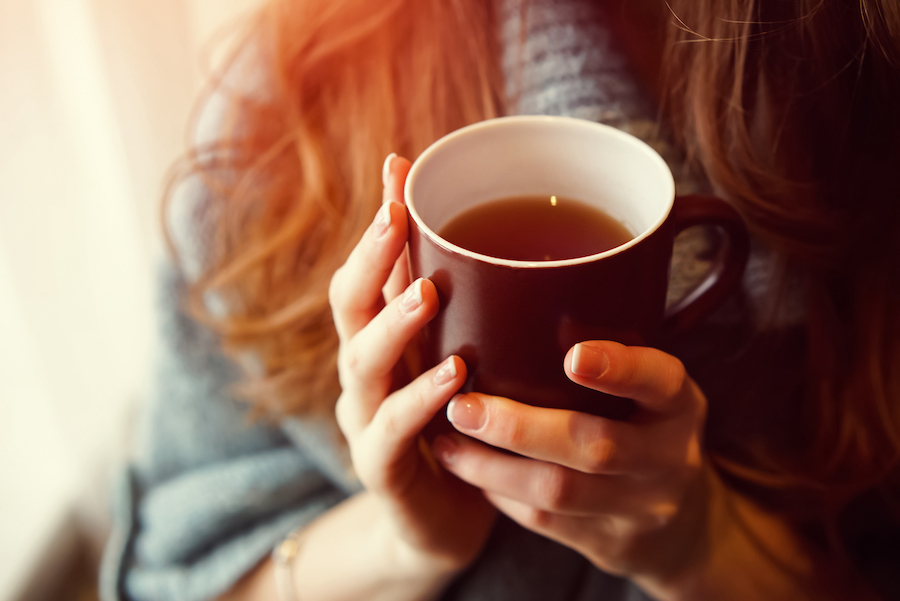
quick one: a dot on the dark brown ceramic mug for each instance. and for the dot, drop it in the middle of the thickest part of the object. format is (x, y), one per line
(513, 321)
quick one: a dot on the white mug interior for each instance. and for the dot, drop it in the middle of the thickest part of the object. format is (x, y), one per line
(535, 155)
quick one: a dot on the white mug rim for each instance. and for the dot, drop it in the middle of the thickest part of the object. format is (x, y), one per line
(511, 121)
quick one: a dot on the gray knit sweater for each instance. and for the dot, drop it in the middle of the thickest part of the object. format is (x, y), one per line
(209, 493)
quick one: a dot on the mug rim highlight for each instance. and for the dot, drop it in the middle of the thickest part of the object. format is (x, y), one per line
(513, 121)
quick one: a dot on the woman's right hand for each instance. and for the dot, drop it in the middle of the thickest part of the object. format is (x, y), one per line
(436, 516)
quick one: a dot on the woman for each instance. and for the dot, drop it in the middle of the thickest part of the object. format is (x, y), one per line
(763, 461)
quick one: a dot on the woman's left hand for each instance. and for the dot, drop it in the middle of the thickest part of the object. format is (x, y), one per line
(629, 496)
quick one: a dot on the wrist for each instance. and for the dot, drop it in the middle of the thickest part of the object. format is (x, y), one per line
(415, 562)
(354, 551)
(283, 557)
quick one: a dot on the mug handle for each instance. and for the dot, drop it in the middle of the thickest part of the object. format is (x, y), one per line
(727, 269)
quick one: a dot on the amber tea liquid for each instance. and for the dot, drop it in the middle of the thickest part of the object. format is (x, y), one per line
(535, 228)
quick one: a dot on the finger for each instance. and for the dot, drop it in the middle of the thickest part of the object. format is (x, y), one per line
(575, 532)
(366, 361)
(399, 278)
(655, 380)
(393, 176)
(572, 439)
(383, 447)
(538, 484)
(355, 290)
(404, 414)
(550, 524)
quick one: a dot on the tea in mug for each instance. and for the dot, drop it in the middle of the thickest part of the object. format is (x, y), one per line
(535, 228)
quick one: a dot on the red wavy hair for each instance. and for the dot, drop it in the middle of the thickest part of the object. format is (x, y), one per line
(295, 179)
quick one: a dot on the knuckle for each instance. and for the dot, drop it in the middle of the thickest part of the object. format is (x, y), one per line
(334, 287)
(661, 514)
(368, 473)
(512, 433)
(342, 357)
(676, 380)
(538, 519)
(554, 488)
(357, 365)
(352, 361)
(594, 441)
(701, 406)
(600, 455)
(349, 361)
(390, 428)
(342, 413)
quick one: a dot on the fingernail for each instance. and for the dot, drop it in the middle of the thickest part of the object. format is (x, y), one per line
(412, 298)
(445, 449)
(588, 362)
(382, 221)
(386, 168)
(445, 373)
(466, 413)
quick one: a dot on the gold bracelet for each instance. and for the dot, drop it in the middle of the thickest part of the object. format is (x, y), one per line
(283, 556)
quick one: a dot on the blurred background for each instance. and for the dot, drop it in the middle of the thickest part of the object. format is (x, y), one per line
(95, 97)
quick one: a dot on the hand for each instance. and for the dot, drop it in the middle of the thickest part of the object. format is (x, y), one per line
(626, 495)
(435, 515)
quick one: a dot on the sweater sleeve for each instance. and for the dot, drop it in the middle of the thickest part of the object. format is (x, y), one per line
(209, 492)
